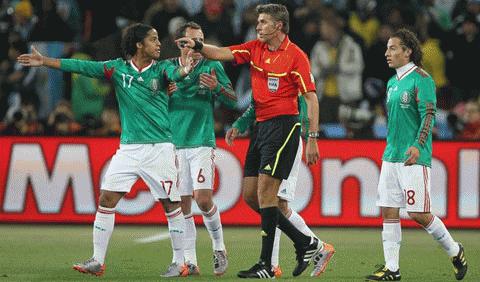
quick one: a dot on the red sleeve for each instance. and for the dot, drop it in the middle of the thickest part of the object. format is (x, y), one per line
(242, 52)
(302, 74)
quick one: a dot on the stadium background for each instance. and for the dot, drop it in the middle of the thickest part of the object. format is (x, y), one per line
(55, 140)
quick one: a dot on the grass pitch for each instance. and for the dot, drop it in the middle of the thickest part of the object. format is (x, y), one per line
(47, 252)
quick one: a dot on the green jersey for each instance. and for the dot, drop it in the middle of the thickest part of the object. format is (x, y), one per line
(191, 105)
(411, 107)
(248, 117)
(141, 95)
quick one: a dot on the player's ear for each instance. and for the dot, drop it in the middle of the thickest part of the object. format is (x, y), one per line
(278, 25)
(408, 52)
(139, 45)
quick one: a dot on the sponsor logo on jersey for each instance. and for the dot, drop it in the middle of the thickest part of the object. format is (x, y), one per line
(273, 83)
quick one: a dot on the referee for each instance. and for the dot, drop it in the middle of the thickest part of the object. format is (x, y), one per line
(280, 70)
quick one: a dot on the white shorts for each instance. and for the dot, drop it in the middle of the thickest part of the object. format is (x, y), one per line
(403, 186)
(289, 185)
(196, 169)
(154, 163)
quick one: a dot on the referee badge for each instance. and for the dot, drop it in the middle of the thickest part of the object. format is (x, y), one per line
(273, 83)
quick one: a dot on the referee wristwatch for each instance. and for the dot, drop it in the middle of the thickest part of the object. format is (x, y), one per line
(315, 134)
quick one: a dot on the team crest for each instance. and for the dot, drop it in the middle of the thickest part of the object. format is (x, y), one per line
(273, 84)
(154, 85)
(405, 100)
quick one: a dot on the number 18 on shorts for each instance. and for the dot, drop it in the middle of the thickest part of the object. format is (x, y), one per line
(403, 186)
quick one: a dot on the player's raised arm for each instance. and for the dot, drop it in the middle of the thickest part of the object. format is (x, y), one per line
(84, 67)
(208, 51)
(35, 59)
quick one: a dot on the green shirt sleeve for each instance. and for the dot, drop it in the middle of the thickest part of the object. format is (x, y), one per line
(426, 103)
(171, 71)
(303, 115)
(224, 90)
(94, 69)
(246, 120)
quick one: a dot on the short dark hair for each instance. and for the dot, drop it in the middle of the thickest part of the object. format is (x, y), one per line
(131, 36)
(408, 39)
(183, 28)
(278, 12)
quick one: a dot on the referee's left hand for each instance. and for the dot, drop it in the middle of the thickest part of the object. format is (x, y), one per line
(311, 152)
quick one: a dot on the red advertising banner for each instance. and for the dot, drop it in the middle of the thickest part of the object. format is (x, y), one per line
(47, 179)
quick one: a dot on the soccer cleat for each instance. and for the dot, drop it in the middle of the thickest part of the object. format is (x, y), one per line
(321, 259)
(90, 266)
(220, 262)
(277, 271)
(460, 263)
(176, 270)
(192, 269)
(305, 255)
(259, 270)
(384, 274)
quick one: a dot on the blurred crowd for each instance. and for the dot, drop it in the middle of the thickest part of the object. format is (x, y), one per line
(345, 40)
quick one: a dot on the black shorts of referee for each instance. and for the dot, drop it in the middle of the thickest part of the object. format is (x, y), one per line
(273, 147)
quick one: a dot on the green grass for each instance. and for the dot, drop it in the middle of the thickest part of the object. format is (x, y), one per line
(46, 253)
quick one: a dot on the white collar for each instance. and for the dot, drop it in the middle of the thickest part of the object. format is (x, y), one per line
(141, 69)
(403, 71)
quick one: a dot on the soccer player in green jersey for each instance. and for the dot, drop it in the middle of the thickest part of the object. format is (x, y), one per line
(191, 111)
(405, 175)
(146, 149)
(286, 192)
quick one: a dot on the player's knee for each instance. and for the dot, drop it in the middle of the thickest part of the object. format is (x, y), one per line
(414, 215)
(203, 198)
(107, 200)
(169, 206)
(204, 204)
(421, 218)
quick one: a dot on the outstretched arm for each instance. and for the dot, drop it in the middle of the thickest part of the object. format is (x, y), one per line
(35, 59)
(208, 51)
(84, 67)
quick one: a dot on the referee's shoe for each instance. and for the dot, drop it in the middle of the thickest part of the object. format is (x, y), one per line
(305, 255)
